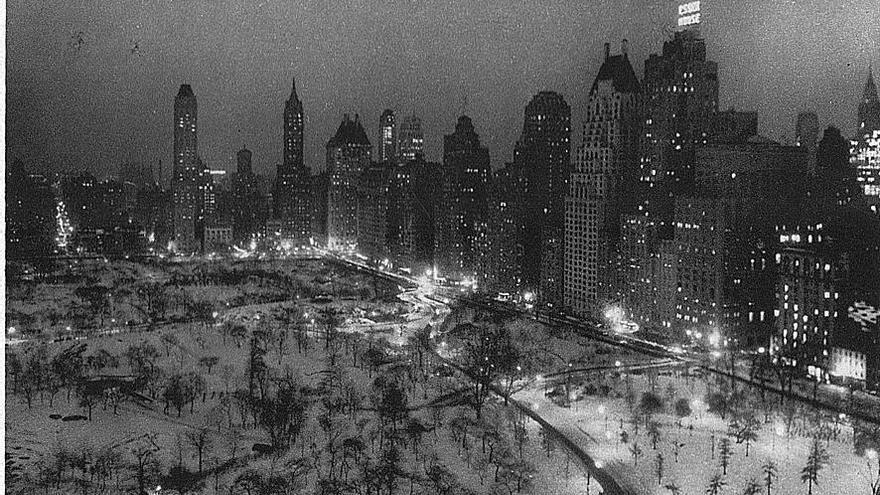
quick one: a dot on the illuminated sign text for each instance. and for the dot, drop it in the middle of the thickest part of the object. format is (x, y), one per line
(689, 14)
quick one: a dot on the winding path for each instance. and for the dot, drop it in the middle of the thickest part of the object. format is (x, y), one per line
(609, 485)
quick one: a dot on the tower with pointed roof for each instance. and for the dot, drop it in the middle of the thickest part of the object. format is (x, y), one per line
(348, 155)
(293, 130)
(187, 173)
(291, 192)
(603, 184)
(869, 107)
(865, 151)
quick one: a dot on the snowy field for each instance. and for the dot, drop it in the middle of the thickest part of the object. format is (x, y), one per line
(38, 440)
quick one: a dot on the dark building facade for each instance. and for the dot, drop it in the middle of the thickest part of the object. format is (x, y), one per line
(828, 264)
(243, 161)
(806, 133)
(543, 157)
(30, 215)
(412, 197)
(681, 99)
(411, 140)
(291, 191)
(348, 155)
(388, 137)
(462, 212)
(320, 196)
(187, 173)
(836, 180)
(248, 207)
(725, 237)
(372, 212)
(731, 126)
(503, 273)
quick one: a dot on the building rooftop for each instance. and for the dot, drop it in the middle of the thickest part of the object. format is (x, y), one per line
(185, 90)
(618, 70)
(349, 132)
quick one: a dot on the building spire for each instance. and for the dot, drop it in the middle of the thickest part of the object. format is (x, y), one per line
(870, 87)
(293, 90)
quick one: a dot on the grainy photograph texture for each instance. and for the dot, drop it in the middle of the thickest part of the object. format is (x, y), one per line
(442, 247)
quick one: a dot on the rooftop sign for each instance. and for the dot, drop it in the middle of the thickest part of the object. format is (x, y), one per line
(689, 14)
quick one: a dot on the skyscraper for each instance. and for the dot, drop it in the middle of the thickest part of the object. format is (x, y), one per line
(806, 130)
(243, 161)
(348, 155)
(865, 154)
(187, 203)
(291, 191)
(388, 142)
(503, 272)
(462, 212)
(869, 107)
(807, 135)
(681, 98)
(372, 212)
(836, 180)
(293, 130)
(543, 157)
(412, 199)
(411, 141)
(246, 199)
(724, 233)
(603, 184)
(30, 211)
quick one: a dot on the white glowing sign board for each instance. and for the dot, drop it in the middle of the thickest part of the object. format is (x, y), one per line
(689, 14)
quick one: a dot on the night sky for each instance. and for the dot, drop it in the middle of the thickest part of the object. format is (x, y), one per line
(91, 103)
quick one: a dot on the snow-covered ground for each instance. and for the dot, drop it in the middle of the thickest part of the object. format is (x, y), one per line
(595, 424)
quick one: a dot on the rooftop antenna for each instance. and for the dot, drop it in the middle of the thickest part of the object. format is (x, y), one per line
(464, 103)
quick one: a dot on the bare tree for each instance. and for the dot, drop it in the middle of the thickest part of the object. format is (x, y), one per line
(752, 488)
(659, 468)
(200, 439)
(716, 483)
(209, 362)
(146, 465)
(636, 452)
(769, 470)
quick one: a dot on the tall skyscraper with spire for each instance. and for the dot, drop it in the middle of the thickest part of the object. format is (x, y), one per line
(603, 185)
(293, 130)
(865, 155)
(348, 155)
(185, 185)
(869, 107)
(291, 192)
(388, 141)
(542, 158)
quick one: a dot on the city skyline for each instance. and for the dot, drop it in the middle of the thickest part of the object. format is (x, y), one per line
(99, 96)
(640, 216)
